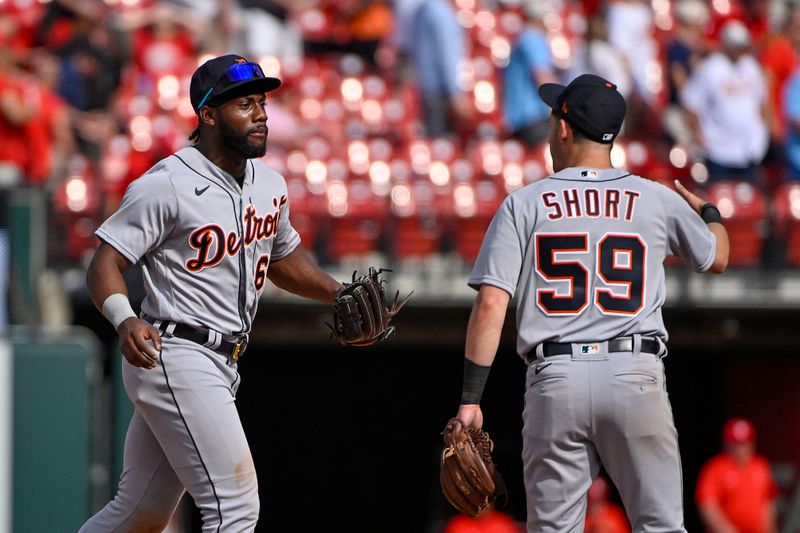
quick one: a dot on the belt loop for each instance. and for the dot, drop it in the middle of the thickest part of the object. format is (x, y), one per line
(540, 351)
(170, 329)
(214, 339)
(662, 348)
(637, 344)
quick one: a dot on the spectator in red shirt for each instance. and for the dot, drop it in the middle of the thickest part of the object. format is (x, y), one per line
(49, 133)
(735, 491)
(17, 110)
(779, 58)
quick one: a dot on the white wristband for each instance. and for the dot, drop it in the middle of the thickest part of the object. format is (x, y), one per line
(117, 308)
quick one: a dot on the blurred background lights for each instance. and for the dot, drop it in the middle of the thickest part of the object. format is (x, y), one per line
(77, 194)
(723, 7)
(352, 90)
(794, 203)
(678, 157)
(271, 66)
(618, 158)
(725, 206)
(699, 172)
(337, 199)
(484, 97)
(401, 200)
(464, 198)
(439, 173)
(316, 172)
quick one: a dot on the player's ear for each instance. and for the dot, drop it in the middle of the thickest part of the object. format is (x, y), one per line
(564, 130)
(207, 115)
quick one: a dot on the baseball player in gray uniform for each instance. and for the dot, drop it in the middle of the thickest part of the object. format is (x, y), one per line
(583, 253)
(209, 225)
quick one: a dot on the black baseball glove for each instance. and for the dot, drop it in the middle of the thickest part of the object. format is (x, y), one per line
(361, 315)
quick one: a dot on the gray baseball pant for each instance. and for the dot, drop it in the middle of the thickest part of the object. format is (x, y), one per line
(185, 434)
(582, 411)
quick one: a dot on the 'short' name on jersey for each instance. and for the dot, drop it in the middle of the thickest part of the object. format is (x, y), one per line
(211, 242)
(592, 203)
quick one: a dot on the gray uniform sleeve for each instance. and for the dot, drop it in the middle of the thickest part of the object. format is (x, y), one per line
(689, 237)
(287, 238)
(499, 261)
(145, 217)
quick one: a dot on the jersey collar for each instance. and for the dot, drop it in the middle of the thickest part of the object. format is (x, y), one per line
(589, 174)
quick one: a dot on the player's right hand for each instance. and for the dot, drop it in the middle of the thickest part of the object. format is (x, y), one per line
(471, 415)
(139, 342)
(694, 201)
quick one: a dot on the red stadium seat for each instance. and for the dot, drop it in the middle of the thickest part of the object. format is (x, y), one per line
(417, 228)
(357, 218)
(474, 206)
(744, 211)
(786, 202)
(303, 213)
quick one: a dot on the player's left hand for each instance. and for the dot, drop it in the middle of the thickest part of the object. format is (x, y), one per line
(471, 415)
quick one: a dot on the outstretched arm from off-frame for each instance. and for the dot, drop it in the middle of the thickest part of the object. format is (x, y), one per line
(483, 337)
(104, 278)
(723, 244)
(300, 274)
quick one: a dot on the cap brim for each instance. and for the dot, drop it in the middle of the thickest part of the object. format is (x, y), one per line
(258, 85)
(549, 93)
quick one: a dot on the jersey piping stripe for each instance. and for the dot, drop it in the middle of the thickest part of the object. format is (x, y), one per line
(237, 216)
(589, 181)
(214, 181)
(194, 443)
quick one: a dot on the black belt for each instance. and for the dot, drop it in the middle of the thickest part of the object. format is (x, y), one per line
(205, 337)
(620, 344)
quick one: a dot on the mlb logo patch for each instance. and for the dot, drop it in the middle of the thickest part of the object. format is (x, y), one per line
(607, 136)
(588, 174)
(590, 349)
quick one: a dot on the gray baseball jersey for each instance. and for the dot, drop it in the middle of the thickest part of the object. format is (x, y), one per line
(188, 221)
(205, 245)
(583, 251)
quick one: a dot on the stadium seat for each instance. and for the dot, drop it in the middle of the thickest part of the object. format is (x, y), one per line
(303, 212)
(474, 206)
(744, 210)
(417, 228)
(356, 221)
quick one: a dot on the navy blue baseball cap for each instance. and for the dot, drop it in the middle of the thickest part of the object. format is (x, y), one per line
(590, 104)
(225, 77)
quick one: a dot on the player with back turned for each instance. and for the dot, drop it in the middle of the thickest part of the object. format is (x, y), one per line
(209, 226)
(583, 253)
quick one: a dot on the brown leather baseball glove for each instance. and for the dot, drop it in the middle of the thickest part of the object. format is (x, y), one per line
(361, 316)
(468, 476)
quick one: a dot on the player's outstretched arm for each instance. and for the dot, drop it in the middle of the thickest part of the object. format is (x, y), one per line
(300, 274)
(110, 295)
(483, 337)
(723, 245)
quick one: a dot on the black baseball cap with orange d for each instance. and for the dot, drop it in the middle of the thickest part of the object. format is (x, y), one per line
(590, 104)
(225, 77)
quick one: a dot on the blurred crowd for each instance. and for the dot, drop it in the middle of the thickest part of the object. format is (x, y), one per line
(402, 124)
